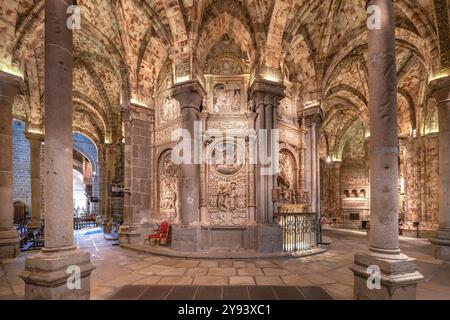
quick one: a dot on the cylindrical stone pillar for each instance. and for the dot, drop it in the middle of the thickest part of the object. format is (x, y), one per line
(190, 95)
(35, 140)
(9, 238)
(441, 92)
(190, 172)
(383, 132)
(58, 126)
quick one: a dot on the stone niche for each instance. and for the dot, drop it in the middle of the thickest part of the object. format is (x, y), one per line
(228, 213)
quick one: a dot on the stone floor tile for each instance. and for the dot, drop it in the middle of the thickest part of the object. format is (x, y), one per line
(187, 264)
(197, 271)
(210, 281)
(268, 281)
(242, 281)
(275, 272)
(250, 272)
(175, 281)
(222, 272)
(208, 264)
(295, 280)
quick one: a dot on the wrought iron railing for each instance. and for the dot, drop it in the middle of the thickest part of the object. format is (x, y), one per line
(300, 231)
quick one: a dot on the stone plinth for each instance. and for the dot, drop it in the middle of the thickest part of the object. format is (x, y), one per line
(53, 275)
(228, 237)
(398, 278)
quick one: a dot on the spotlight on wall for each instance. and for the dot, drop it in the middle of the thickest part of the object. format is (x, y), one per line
(328, 159)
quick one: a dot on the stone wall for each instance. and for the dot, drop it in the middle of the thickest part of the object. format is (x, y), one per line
(21, 164)
(421, 172)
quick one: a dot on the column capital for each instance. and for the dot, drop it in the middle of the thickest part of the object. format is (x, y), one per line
(10, 85)
(312, 115)
(136, 111)
(266, 92)
(34, 136)
(189, 94)
(440, 89)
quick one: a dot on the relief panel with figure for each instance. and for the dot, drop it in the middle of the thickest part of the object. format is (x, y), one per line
(227, 190)
(169, 178)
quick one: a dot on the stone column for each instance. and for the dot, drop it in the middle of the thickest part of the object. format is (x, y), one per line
(441, 243)
(35, 140)
(186, 237)
(47, 273)
(103, 189)
(189, 95)
(397, 274)
(335, 173)
(9, 238)
(266, 95)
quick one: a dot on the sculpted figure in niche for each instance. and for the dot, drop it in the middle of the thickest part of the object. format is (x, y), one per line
(285, 178)
(168, 193)
(169, 198)
(227, 98)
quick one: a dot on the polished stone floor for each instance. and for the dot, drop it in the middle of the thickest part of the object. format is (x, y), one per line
(117, 268)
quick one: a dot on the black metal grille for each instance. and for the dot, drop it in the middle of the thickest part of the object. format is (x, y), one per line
(300, 231)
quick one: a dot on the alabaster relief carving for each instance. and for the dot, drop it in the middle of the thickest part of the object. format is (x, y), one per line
(227, 197)
(290, 136)
(226, 67)
(286, 111)
(286, 177)
(227, 97)
(165, 135)
(169, 177)
(169, 110)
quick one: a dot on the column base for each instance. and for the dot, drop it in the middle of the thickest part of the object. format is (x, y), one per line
(441, 245)
(399, 276)
(130, 234)
(9, 244)
(62, 274)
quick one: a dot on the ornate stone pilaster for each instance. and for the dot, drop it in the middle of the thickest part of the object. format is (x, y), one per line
(312, 121)
(203, 175)
(139, 124)
(397, 274)
(266, 96)
(441, 243)
(35, 140)
(9, 238)
(251, 143)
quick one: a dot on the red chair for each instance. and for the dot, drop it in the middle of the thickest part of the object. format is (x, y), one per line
(160, 235)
